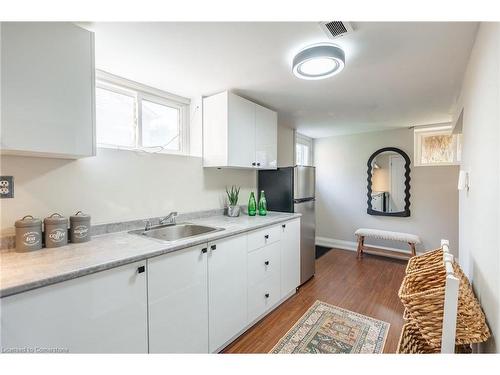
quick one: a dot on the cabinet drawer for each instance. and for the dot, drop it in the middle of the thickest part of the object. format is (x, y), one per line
(263, 262)
(263, 237)
(263, 295)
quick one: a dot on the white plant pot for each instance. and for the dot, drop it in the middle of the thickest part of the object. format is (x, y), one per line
(233, 211)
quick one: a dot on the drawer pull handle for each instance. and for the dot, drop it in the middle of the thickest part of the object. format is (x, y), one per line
(141, 269)
(254, 164)
(204, 250)
(266, 263)
(266, 236)
(283, 226)
(267, 295)
(213, 247)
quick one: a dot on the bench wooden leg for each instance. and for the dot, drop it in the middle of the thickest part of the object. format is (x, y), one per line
(361, 242)
(412, 248)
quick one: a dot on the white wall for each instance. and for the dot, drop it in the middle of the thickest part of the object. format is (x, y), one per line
(116, 185)
(119, 185)
(196, 127)
(286, 146)
(480, 207)
(341, 167)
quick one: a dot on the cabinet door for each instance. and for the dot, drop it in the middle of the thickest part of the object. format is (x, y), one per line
(227, 289)
(241, 132)
(47, 83)
(100, 313)
(215, 130)
(178, 302)
(266, 137)
(290, 256)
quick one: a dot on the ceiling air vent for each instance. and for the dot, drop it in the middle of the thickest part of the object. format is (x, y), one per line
(336, 29)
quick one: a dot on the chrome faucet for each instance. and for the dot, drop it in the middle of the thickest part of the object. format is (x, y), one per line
(147, 225)
(169, 219)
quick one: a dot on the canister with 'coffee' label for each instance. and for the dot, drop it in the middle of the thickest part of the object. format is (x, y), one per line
(28, 234)
(56, 230)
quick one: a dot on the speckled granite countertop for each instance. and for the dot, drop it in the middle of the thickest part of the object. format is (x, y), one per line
(20, 272)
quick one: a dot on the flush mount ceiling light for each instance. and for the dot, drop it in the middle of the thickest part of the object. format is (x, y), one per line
(318, 61)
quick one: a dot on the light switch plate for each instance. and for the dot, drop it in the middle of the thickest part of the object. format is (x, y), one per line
(6, 187)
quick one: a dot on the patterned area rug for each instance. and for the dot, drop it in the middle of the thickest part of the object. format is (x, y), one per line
(326, 328)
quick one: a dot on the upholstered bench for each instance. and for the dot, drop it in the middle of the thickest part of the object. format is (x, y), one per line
(410, 239)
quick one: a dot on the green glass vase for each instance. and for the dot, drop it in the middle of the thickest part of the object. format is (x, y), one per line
(252, 205)
(262, 204)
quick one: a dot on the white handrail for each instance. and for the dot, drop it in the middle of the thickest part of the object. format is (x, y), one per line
(445, 244)
(450, 302)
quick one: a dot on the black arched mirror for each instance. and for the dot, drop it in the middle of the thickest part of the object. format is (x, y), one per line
(389, 183)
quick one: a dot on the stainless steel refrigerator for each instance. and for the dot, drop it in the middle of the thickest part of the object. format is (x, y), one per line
(292, 189)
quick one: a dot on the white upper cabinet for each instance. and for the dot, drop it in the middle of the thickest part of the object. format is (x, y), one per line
(241, 132)
(48, 90)
(266, 137)
(238, 133)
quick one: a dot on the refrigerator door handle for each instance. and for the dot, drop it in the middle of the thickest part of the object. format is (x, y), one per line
(302, 200)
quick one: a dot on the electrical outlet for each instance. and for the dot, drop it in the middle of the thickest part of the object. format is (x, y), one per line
(6, 187)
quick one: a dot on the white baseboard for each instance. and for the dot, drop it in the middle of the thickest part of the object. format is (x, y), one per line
(351, 245)
(338, 244)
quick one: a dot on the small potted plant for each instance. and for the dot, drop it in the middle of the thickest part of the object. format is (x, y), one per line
(233, 210)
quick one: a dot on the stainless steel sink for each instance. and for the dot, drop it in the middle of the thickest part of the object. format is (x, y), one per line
(175, 232)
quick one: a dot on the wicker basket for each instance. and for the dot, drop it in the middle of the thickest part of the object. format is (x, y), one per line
(430, 259)
(406, 315)
(412, 342)
(422, 294)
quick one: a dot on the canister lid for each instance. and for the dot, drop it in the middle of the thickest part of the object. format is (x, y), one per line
(55, 219)
(79, 216)
(28, 221)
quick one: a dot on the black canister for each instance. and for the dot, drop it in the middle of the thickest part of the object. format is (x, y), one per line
(28, 234)
(56, 230)
(79, 227)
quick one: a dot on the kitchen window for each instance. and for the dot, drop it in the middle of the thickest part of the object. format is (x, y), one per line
(137, 117)
(434, 146)
(303, 150)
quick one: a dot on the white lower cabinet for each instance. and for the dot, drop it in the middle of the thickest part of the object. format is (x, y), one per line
(263, 296)
(263, 237)
(227, 290)
(178, 301)
(263, 262)
(290, 256)
(105, 312)
(194, 300)
(263, 280)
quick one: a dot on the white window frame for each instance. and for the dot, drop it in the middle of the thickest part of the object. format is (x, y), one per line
(440, 129)
(139, 92)
(306, 141)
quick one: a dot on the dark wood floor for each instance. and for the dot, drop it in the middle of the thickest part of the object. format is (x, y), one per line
(368, 286)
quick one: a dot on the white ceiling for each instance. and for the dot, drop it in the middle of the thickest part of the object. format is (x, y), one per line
(396, 74)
